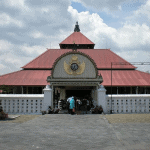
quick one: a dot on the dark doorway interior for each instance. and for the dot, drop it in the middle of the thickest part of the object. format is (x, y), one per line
(78, 93)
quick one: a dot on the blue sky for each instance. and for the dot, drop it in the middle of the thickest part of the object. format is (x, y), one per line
(29, 27)
(116, 18)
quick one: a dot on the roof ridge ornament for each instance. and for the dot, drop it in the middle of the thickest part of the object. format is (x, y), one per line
(77, 29)
(74, 47)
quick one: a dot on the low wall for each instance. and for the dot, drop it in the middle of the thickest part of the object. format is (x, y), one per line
(22, 103)
(132, 103)
(33, 103)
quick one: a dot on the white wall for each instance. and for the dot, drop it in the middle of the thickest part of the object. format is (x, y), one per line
(131, 103)
(22, 103)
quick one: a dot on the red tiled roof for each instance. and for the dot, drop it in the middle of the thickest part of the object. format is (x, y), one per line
(78, 38)
(102, 58)
(125, 78)
(26, 77)
(38, 78)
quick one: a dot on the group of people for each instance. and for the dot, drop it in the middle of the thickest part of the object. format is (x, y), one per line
(2, 114)
(73, 103)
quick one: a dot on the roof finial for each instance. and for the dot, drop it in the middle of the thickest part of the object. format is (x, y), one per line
(77, 29)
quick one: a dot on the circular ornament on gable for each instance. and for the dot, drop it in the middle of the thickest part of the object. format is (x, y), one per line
(74, 66)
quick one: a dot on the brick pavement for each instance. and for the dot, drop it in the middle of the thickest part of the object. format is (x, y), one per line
(77, 132)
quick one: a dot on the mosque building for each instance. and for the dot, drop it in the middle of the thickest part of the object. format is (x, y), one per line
(77, 69)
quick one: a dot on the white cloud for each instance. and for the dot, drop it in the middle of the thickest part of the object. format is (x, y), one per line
(105, 5)
(5, 20)
(132, 36)
(119, 7)
(5, 46)
(133, 56)
(91, 23)
(15, 3)
(129, 36)
(37, 34)
(2, 66)
(144, 10)
(131, 41)
(136, 56)
(45, 10)
(141, 15)
(32, 50)
(20, 4)
(48, 24)
(10, 62)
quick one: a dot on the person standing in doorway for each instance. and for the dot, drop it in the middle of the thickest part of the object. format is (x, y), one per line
(68, 104)
(72, 106)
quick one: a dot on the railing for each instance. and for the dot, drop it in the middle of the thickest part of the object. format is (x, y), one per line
(22, 103)
(139, 103)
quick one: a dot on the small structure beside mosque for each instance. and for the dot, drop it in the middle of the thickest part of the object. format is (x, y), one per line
(76, 69)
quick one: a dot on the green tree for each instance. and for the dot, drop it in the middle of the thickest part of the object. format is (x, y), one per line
(6, 89)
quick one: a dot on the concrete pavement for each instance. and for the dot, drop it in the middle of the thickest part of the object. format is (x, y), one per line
(74, 132)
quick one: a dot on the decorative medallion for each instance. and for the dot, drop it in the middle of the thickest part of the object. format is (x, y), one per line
(74, 67)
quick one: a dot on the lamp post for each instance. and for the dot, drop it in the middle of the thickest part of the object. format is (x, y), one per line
(111, 89)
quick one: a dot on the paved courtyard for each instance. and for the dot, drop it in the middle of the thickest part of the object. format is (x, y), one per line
(77, 132)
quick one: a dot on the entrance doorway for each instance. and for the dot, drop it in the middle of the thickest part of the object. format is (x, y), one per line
(78, 93)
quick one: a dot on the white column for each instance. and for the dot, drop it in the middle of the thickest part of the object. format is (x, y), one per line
(29, 106)
(47, 98)
(7, 105)
(34, 106)
(20, 105)
(11, 105)
(101, 98)
(16, 105)
(38, 105)
(25, 106)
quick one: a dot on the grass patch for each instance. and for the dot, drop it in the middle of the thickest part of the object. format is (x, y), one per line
(128, 118)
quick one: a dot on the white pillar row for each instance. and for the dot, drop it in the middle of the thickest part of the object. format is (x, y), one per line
(101, 98)
(47, 98)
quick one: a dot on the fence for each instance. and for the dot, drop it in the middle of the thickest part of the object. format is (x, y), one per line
(139, 103)
(22, 103)
(33, 103)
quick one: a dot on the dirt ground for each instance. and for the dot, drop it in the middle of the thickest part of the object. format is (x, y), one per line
(112, 118)
(128, 118)
(20, 119)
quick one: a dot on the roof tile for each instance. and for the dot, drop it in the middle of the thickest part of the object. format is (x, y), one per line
(78, 38)
(102, 58)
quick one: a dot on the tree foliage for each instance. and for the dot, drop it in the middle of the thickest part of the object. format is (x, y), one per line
(6, 89)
